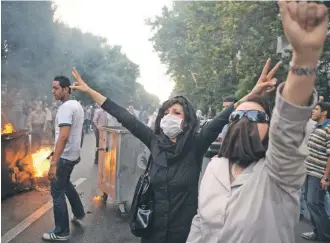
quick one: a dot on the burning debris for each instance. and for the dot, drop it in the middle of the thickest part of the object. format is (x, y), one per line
(21, 170)
(97, 198)
(40, 162)
(8, 128)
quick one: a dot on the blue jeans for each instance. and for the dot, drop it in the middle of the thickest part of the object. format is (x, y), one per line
(315, 204)
(60, 188)
(302, 199)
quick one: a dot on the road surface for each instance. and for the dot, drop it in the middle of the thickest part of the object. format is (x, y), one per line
(25, 217)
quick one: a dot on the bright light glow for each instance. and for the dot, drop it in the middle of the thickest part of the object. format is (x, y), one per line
(122, 23)
(8, 128)
(40, 163)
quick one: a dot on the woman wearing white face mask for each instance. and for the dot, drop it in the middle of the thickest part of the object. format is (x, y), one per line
(177, 153)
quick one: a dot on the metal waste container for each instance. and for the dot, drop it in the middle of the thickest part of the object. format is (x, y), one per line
(122, 159)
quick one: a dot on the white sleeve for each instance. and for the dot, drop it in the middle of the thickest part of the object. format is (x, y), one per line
(195, 231)
(65, 115)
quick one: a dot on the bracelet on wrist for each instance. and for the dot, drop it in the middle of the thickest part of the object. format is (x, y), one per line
(303, 71)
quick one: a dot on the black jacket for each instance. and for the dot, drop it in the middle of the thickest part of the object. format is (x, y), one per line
(175, 186)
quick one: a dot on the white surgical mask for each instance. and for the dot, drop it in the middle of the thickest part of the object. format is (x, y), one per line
(171, 125)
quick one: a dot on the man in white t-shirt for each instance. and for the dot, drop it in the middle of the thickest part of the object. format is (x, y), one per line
(68, 133)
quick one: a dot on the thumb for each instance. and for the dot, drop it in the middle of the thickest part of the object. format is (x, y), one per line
(75, 86)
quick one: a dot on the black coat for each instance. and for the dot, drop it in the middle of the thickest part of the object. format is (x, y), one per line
(175, 186)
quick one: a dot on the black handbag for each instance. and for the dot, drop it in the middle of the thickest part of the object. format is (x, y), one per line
(142, 205)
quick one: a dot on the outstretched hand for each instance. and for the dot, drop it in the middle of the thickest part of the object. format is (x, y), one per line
(82, 86)
(266, 82)
(80, 83)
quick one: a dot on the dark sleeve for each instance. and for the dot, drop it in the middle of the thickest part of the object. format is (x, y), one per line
(129, 121)
(212, 129)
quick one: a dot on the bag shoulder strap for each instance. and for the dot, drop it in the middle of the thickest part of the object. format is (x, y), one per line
(149, 164)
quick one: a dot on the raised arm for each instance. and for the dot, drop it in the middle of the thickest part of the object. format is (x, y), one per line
(212, 129)
(137, 128)
(296, 97)
(129, 121)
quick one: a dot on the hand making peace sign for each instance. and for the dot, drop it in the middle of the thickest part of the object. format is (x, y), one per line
(82, 86)
(266, 82)
(80, 83)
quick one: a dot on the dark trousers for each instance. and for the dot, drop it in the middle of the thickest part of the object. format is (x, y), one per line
(315, 204)
(60, 188)
(87, 125)
(97, 137)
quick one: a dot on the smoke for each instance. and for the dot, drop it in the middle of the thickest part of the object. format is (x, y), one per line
(36, 48)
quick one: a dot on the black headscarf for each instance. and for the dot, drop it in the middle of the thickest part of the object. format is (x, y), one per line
(175, 151)
(242, 144)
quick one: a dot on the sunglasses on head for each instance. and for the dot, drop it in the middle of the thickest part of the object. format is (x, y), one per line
(251, 115)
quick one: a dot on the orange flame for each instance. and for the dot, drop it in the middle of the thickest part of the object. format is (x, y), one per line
(8, 128)
(40, 163)
(97, 198)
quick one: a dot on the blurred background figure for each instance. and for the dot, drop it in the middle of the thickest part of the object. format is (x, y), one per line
(16, 112)
(37, 126)
(200, 118)
(88, 117)
(49, 124)
(152, 120)
(143, 115)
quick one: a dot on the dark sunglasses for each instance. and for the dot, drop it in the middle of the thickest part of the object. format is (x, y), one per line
(251, 115)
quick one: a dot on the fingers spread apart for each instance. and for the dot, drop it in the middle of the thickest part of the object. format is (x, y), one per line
(274, 70)
(76, 74)
(266, 68)
(265, 76)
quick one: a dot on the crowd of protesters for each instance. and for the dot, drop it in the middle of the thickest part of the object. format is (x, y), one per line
(252, 187)
(250, 191)
(95, 118)
(34, 115)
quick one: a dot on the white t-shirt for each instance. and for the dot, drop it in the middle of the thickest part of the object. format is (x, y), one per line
(70, 113)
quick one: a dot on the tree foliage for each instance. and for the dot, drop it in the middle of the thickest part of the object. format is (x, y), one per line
(36, 48)
(216, 49)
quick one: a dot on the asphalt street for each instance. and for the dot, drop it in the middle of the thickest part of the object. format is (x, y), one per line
(25, 217)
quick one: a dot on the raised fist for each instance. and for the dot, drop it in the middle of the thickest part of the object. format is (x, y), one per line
(305, 26)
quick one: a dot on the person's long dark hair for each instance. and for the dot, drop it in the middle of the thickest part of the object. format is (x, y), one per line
(176, 150)
(242, 144)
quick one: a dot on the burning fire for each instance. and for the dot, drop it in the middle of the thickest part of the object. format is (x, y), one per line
(40, 163)
(8, 128)
(97, 198)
